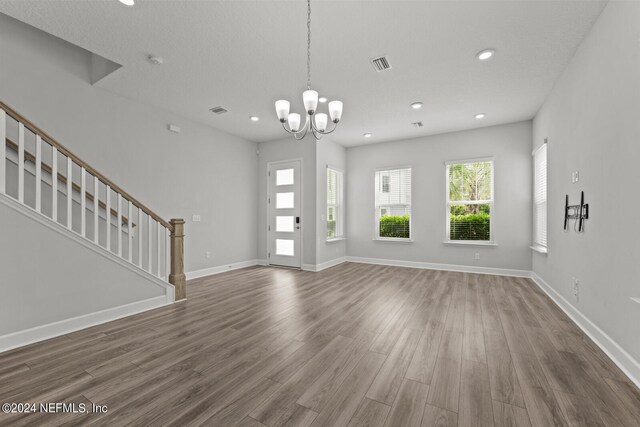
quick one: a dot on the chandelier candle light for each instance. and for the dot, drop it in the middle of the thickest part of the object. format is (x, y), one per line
(317, 122)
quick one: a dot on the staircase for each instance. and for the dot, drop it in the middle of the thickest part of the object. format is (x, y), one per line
(44, 180)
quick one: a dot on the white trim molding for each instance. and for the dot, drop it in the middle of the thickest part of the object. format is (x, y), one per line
(196, 274)
(626, 362)
(63, 327)
(72, 235)
(447, 267)
(324, 265)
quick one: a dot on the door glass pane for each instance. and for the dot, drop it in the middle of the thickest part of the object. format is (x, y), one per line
(284, 200)
(284, 247)
(284, 224)
(284, 177)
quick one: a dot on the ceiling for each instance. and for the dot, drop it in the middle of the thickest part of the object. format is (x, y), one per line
(243, 55)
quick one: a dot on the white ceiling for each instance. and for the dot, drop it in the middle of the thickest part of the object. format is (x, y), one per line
(244, 55)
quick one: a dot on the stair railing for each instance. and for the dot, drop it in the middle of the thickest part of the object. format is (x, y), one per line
(86, 202)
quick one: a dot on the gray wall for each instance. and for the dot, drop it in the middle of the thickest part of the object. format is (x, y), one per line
(592, 120)
(199, 171)
(47, 277)
(510, 145)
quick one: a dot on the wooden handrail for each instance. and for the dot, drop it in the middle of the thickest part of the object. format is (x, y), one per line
(46, 167)
(61, 148)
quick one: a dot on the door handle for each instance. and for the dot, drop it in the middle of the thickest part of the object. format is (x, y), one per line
(298, 222)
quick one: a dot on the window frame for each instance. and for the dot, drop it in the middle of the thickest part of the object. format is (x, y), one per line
(491, 203)
(377, 208)
(338, 207)
(536, 245)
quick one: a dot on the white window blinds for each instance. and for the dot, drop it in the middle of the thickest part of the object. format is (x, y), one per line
(540, 196)
(393, 203)
(334, 203)
(470, 201)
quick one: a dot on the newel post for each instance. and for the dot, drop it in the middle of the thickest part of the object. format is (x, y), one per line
(177, 277)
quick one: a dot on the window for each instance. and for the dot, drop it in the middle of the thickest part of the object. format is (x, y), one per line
(334, 203)
(540, 198)
(470, 201)
(393, 204)
(385, 183)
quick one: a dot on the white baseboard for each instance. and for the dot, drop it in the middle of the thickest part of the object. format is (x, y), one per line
(617, 354)
(222, 268)
(324, 265)
(63, 327)
(447, 267)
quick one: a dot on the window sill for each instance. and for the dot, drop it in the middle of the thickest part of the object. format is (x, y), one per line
(539, 249)
(469, 243)
(336, 239)
(392, 239)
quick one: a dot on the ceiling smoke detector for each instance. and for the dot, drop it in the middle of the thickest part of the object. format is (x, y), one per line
(218, 110)
(155, 60)
(417, 124)
(381, 63)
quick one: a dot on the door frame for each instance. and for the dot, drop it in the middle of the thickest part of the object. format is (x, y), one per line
(266, 202)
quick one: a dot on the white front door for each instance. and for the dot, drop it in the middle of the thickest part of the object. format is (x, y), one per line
(285, 206)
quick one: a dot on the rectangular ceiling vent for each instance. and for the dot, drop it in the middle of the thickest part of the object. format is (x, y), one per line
(380, 63)
(417, 124)
(218, 110)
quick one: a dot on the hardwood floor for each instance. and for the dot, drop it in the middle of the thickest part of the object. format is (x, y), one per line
(354, 345)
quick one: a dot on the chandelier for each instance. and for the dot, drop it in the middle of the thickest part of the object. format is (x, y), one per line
(316, 122)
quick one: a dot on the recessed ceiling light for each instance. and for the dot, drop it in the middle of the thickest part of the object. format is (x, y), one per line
(155, 60)
(479, 116)
(322, 99)
(254, 118)
(485, 54)
(416, 105)
(367, 135)
(127, 2)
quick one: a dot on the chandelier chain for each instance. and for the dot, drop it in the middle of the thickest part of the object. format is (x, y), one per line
(308, 44)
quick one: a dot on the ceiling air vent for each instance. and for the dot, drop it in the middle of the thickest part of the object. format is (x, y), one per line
(218, 110)
(380, 63)
(417, 124)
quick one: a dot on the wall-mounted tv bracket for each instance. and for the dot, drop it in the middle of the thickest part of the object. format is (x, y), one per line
(578, 212)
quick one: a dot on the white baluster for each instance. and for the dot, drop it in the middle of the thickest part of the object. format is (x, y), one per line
(3, 151)
(38, 173)
(129, 230)
(140, 237)
(83, 202)
(149, 242)
(20, 163)
(69, 193)
(96, 210)
(119, 224)
(54, 183)
(107, 215)
(158, 251)
(167, 253)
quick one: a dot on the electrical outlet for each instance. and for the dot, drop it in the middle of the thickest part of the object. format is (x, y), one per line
(207, 254)
(575, 176)
(576, 289)
(476, 255)
(195, 218)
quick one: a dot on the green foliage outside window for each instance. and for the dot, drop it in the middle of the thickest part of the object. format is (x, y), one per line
(395, 226)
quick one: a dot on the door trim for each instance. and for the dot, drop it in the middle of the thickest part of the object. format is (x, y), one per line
(266, 202)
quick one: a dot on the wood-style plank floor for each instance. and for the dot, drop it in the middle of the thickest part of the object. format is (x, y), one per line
(354, 345)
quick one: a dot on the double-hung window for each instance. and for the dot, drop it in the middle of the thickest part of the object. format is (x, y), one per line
(393, 204)
(540, 199)
(335, 211)
(470, 201)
